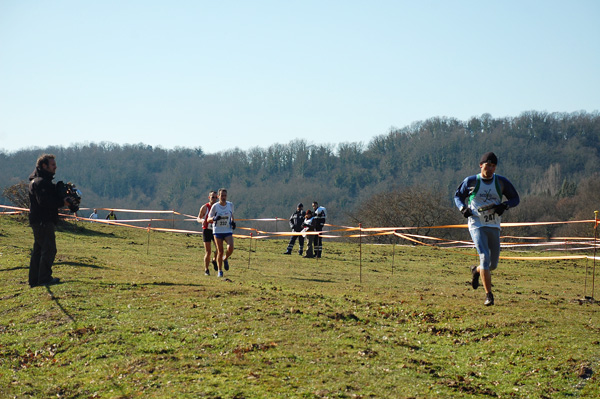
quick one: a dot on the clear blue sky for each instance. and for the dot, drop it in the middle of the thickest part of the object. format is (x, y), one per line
(225, 74)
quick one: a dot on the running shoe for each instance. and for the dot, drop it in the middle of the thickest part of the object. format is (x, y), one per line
(489, 299)
(225, 264)
(220, 274)
(214, 262)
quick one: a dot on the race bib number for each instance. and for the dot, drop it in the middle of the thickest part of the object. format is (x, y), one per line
(223, 221)
(488, 217)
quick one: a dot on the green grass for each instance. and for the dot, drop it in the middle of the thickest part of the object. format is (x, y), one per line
(132, 320)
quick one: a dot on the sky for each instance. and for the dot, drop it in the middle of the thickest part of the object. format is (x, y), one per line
(225, 74)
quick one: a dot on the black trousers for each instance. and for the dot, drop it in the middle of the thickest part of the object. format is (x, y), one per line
(43, 254)
(293, 241)
(309, 249)
(318, 242)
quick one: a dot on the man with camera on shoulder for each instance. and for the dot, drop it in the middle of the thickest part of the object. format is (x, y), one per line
(45, 199)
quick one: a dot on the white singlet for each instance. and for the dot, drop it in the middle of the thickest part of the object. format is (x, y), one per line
(225, 213)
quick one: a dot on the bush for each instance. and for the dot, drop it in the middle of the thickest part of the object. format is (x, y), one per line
(18, 194)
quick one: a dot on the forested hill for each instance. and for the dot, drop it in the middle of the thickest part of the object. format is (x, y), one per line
(542, 153)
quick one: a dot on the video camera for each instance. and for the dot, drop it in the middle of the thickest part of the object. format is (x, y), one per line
(71, 194)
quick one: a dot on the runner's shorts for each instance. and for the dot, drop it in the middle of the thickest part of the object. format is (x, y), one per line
(207, 235)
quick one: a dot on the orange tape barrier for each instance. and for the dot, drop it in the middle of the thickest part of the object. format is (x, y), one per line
(134, 210)
(464, 226)
(14, 208)
(407, 237)
(362, 232)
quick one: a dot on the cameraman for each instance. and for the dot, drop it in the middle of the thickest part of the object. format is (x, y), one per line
(45, 200)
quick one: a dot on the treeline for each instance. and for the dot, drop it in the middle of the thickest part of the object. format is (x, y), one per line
(550, 157)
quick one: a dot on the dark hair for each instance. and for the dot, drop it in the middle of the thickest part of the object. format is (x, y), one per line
(489, 157)
(44, 160)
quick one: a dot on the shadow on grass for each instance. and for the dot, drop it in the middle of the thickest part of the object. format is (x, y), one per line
(14, 268)
(133, 285)
(64, 226)
(165, 283)
(79, 264)
(316, 280)
(60, 306)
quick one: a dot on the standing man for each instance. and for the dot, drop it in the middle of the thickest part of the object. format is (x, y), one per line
(94, 215)
(479, 198)
(207, 232)
(296, 224)
(320, 214)
(45, 200)
(111, 216)
(221, 216)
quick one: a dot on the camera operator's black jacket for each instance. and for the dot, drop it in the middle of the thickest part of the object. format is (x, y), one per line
(44, 198)
(296, 220)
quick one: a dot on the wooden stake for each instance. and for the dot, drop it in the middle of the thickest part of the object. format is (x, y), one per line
(249, 250)
(393, 256)
(360, 250)
(595, 244)
(148, 244)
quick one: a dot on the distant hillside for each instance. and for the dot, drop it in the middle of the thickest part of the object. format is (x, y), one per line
(543, 154)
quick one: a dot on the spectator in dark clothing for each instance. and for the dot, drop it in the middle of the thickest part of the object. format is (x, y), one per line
(45, 200)
(296, 224)
(320, 215)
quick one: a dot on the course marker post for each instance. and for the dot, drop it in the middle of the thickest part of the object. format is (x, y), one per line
(360, 250)
(249, 250)
(148, 243)
(393, 252)
(595, 244)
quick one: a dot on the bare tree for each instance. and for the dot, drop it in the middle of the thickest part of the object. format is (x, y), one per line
(410, 207)
(18, 194)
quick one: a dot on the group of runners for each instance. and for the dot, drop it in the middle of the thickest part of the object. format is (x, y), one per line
(216, 217)
(218, 223)
(478, 197)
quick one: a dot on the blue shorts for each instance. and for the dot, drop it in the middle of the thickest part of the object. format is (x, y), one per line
(487, 242)
(222, 236)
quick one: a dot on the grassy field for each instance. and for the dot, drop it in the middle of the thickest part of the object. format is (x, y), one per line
(137, 320)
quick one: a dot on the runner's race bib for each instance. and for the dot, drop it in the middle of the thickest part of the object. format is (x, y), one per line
(488, 217)
(223, 221)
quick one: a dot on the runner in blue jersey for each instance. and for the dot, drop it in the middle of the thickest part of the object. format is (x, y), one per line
(479, 198)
